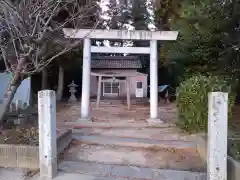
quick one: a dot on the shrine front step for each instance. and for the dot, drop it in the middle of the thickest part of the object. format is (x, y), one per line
(78, 138)
(164, 134)
(108, 101)
(114, 124)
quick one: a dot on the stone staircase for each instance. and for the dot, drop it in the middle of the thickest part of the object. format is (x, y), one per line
(119, 151)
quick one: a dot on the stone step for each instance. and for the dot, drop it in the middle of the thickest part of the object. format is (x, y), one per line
(78, 138)
(119, 172)
(105, 102)
(113, 124)
(171, 133)
(170, 158)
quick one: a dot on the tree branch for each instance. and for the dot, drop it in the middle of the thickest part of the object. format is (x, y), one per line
(32, 30)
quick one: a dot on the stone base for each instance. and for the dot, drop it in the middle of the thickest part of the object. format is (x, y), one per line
(154, 121)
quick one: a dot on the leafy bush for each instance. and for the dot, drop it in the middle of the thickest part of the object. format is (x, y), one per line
(192, 100)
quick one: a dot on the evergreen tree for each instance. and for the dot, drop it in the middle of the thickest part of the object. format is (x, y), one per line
(208, 37)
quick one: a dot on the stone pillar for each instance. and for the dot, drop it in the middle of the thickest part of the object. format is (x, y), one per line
(99, 91)
(153, 83)
(86, 73)
(47, 134)
(217, 135)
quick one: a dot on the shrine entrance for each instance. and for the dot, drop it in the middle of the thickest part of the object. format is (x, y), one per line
(152, 36)
(111, 87)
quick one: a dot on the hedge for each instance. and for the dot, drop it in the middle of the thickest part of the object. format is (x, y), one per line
(192, 100)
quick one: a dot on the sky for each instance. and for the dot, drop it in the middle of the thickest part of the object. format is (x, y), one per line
(104, 8)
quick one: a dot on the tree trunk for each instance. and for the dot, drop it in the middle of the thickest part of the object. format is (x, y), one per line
(60, 83)
(12, 88)
(44, 79)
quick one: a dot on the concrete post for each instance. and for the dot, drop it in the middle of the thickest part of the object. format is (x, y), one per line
(86, 73)
(99, 91)
(217, 135)
(153, 83)
(47, 134)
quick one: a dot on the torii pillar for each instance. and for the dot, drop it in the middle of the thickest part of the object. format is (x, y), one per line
(86, 74)
(153, 84)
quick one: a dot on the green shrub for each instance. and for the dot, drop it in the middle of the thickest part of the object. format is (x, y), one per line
(192, 100)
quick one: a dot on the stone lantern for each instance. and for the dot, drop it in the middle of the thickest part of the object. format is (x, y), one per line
(72, 90)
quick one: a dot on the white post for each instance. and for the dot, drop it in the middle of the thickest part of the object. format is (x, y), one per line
(47, 134)
(86, 72)
(154, 83)
(217, 135)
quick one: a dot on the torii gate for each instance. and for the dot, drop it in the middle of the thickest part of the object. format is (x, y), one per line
(152, 36)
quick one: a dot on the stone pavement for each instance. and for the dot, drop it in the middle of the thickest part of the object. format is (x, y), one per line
(169, 175)
(6, 174)
(132, 173)
(11, 174)
(127, 172)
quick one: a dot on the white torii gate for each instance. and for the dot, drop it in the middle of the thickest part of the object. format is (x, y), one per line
(152, 36)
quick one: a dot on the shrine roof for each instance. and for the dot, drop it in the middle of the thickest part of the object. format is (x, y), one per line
(115, 62)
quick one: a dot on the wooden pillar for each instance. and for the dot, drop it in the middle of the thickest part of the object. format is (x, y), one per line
(47, 134)
(128, 93)
(86, 73)
(217, 135)
(99, 91)
(167, 97)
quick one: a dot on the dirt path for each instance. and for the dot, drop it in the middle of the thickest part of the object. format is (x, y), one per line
(116, 112)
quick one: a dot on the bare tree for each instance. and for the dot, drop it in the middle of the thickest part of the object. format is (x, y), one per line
(31, 35)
